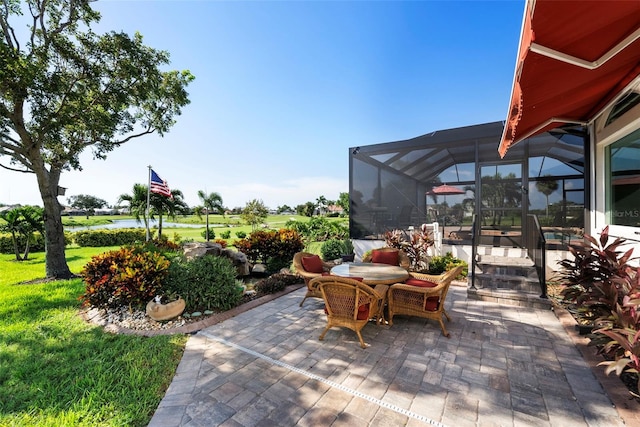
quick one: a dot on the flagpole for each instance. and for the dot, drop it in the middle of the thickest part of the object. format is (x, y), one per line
(148, 201)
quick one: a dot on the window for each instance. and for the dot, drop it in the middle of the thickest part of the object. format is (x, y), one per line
(623, 180)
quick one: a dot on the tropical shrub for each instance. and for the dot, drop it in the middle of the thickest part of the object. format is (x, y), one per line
(415, 244)
(599, 275)
(623, 330)
(275, 248)
(221, 242)
(165, 244)
(241, 234)
(226, 234)
(605, 288)
(440, 263)
(130, 276)
(275, 283)
(205, 283)
(332, 249)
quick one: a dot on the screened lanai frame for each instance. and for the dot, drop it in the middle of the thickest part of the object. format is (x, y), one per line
(390, 185)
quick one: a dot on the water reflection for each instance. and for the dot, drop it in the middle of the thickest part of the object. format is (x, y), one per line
(132, 223)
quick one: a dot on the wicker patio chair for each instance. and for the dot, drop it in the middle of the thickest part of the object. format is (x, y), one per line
(422, 295)
(349, 303)
(383, 253)
(321, 267)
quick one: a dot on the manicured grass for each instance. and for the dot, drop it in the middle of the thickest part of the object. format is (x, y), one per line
(57, 370)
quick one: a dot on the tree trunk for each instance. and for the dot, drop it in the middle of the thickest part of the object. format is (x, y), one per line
(15, 245)
(55, 261)
(207, 210)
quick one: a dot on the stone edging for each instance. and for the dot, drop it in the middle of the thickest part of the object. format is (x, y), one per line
(627, 407)
(201, 324)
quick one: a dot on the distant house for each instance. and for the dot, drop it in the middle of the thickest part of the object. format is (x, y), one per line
(334, 209)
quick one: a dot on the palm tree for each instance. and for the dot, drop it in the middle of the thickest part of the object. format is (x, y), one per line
(171, 206)
(547, 187)
(23, 221)
(137, 203)
(212, 202)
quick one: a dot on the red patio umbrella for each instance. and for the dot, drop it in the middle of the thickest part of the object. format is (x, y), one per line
(445, 190)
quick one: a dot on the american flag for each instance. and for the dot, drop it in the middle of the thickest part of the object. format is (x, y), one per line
(159, 185)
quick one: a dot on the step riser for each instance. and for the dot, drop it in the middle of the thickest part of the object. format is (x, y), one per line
(511, 283)
(528, 272)
(526, 300)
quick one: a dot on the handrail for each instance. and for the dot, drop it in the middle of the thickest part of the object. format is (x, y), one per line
(474, 251)
(534, 242)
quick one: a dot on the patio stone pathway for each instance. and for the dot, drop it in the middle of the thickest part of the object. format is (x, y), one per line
(502, 366)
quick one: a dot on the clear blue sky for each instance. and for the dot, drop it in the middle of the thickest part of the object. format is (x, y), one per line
(283, 89)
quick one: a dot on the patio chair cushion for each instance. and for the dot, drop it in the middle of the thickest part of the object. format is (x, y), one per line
(420, 283)
(363, 312)
(431, 303)
(385, 257)
(313, 264)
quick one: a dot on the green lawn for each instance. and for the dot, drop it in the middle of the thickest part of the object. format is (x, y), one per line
(57, 370)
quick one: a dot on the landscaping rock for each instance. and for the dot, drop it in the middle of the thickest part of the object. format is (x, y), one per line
(197, 249)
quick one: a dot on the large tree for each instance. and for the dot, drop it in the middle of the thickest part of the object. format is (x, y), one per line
(87, 203)
(65, 89)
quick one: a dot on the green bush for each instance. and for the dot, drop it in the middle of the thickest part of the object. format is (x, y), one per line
(332, 249)
(120, 237)
(35, 245)
(226, 234)
(205, 283)
(275, 283)
(241, 234)
(130, 276)
(212, 234)
(319, 229)
(439, 264)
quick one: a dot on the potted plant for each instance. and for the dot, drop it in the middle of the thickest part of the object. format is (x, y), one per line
(348, 251)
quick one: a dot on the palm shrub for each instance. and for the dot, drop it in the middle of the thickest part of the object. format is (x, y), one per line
(205, 283)
(130, 276)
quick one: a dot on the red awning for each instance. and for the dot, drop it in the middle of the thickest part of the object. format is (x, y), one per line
(574, 58)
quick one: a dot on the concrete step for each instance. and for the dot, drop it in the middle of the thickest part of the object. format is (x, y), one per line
(504, 260)
(510, 297)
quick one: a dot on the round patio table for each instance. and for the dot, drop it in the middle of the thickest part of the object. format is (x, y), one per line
(371, 273)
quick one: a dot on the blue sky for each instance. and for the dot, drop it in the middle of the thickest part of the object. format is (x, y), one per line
(284, 88)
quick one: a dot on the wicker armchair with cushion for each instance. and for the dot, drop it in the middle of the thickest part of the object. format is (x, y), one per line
(391, 256)
(309, 266)
(422, 295)
(349, 303)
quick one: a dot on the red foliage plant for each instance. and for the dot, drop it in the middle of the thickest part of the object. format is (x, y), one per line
(125, 277)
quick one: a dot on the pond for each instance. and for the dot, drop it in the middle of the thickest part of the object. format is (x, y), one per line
(132, 223)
